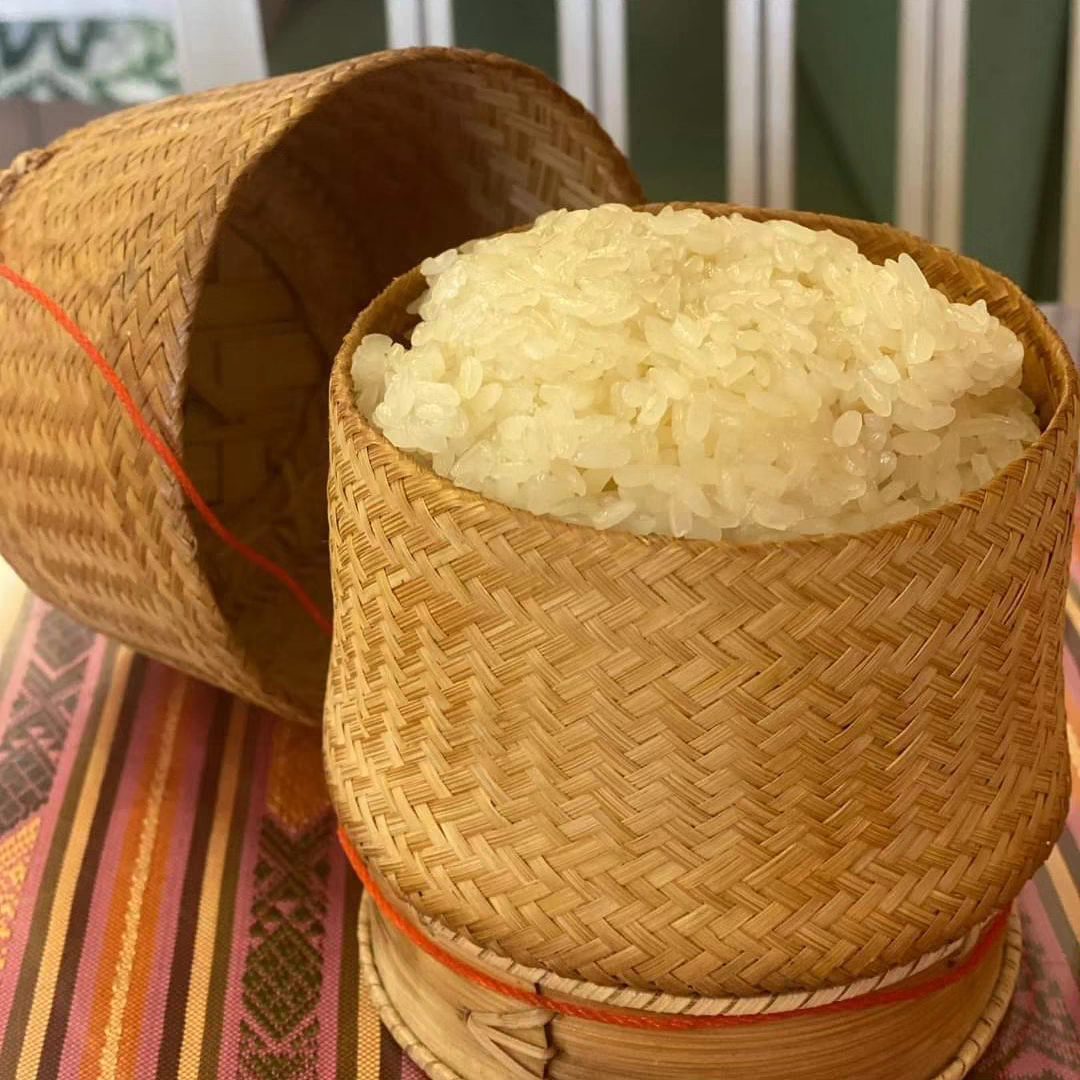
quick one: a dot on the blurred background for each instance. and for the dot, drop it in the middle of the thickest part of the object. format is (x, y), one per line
(949, 117)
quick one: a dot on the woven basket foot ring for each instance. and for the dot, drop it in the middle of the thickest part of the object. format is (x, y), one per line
(505, 1049)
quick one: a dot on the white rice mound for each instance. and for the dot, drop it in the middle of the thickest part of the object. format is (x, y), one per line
(696, 376)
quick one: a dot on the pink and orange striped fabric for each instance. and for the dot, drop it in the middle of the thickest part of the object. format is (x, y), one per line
(173, 902)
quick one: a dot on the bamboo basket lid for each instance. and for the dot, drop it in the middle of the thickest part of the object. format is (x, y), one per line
(217, 248)
(701, 767)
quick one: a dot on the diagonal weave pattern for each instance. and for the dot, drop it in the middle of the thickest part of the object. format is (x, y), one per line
(694, 767)
(216, 248)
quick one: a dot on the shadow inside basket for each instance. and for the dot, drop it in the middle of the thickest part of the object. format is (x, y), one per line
(385, 171)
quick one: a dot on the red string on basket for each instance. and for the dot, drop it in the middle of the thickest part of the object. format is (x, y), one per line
(163, 451)
(876, 998)
(870, 1000)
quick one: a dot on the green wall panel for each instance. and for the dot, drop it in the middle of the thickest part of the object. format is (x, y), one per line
(525, 29)
(845, 106)
(1015, 108)
(318, 32)
(675, 61)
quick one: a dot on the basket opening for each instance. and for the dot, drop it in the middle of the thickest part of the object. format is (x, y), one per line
(1048, 374)
(392, 166)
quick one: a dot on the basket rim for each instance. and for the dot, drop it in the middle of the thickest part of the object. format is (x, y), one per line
(358, 430)
(340, 74)
(333, 78)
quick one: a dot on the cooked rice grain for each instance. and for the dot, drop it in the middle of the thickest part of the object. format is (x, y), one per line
(697, 376)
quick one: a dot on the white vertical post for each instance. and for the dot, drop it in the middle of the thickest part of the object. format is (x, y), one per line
(744, 106)
(779, 44)
(404, 23)
(438, 22)
(1070, 216)
(611, 69)
(915, 105)
(218, 43)
(577, 50)
(950, 100)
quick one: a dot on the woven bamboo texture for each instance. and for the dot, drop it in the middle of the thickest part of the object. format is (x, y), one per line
(700, 767)
(454, 1029)
(217, 248)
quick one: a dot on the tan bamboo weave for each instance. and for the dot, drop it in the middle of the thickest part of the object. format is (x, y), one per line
(456, 1030)
(217, 248)
(700, 767)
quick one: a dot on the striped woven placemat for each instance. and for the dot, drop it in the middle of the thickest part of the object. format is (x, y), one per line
(173, 902)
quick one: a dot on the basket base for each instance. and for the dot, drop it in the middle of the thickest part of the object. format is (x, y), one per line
(456, 1031)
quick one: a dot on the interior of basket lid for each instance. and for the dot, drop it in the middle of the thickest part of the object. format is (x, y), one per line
(390, 168)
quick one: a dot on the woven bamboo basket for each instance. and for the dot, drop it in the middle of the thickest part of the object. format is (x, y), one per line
(703, 769)
(217, 248)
